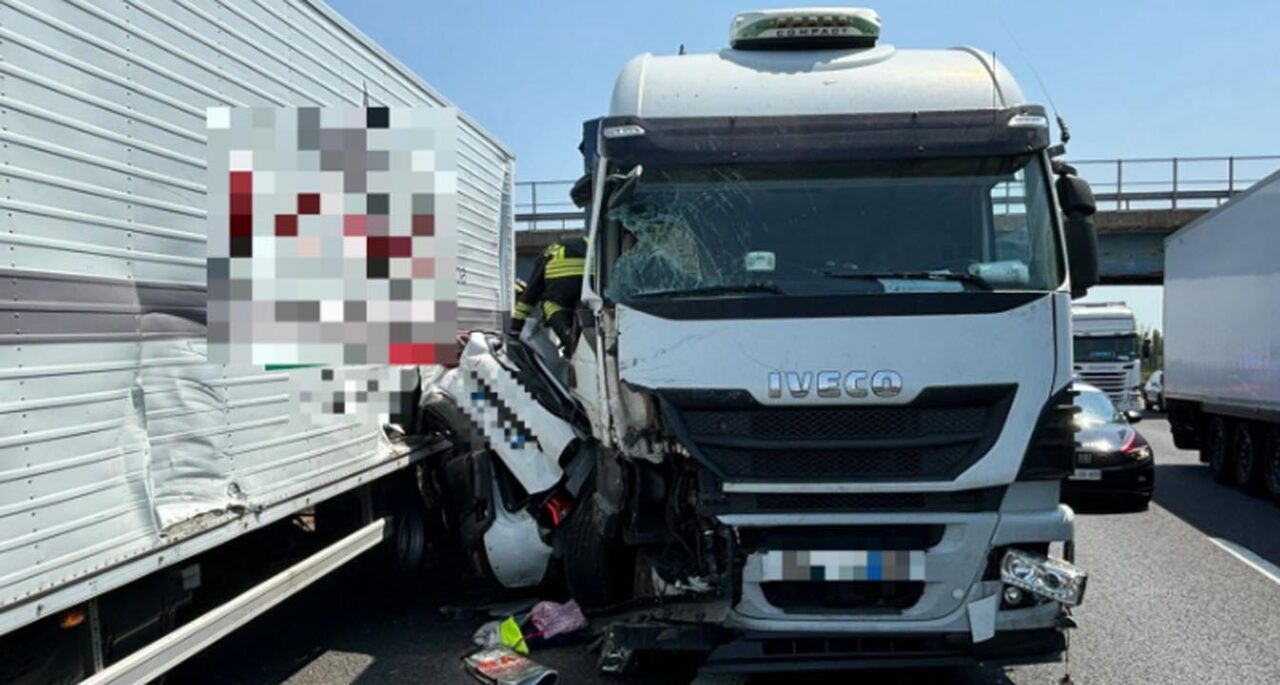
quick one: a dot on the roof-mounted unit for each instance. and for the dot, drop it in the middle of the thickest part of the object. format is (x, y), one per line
(806, 28)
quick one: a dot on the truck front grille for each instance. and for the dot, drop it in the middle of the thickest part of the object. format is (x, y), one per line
(1110, 382)
(935, 437)
(856, 597)
(985, 499)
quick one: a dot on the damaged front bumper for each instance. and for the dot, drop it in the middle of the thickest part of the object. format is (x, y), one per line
(941, 601)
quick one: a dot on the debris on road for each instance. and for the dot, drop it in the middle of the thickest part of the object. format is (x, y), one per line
(504, 666)
(552, 619)
(504, 633)
(547, 623)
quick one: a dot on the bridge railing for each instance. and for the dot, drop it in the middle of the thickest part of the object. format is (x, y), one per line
(1118, 185)
(1172, 182)
(542, 205)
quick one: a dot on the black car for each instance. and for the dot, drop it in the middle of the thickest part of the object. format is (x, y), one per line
(1113, 461)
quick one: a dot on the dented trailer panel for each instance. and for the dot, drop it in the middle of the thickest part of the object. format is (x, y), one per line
(122, 449)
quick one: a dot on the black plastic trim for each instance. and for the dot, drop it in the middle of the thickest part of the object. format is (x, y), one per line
(841, 305)
(1051, 451)
(758, 444)
(914, 536)
(998, 399)
(825, 137)
(959, 501)
(761, 652)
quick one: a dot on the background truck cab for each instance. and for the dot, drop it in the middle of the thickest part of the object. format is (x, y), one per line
(1109, 351)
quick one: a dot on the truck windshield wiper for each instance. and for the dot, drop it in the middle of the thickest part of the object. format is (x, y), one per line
(711, 290)
(909, 276)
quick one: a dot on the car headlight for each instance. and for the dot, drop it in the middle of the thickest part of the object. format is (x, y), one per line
(1140, 453)
(1053, 578)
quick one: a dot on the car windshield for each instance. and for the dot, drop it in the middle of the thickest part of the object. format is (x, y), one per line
(1095, 408)
(1112, 348)
(951, 225)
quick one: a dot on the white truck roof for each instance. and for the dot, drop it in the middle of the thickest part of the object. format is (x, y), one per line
(1102, 318)
(872, 80)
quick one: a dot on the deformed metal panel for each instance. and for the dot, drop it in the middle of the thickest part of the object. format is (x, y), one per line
(117, 437)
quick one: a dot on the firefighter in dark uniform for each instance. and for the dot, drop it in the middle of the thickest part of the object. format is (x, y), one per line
(555, 285)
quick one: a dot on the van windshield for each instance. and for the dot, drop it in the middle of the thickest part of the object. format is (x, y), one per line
(769, 230)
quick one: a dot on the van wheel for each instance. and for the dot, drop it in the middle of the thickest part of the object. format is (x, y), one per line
(1246, 450)
(598, 567)
(1270, 465)
(1218, 451)
(403, 556)
(407, 548)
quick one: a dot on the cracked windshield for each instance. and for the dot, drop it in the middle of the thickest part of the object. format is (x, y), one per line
(819, 229)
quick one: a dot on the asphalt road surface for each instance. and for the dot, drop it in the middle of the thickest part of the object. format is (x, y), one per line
(1185, 592)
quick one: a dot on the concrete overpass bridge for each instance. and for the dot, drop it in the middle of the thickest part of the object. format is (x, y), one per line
(1140, 201)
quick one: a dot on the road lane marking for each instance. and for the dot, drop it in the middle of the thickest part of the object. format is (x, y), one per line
(1250, 559)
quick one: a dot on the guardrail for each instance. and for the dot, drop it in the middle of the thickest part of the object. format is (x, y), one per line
(1118, 185)
(546, 205)
(1172, 182)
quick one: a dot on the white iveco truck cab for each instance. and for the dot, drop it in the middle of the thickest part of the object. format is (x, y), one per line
(826, 348)
(1109, 351)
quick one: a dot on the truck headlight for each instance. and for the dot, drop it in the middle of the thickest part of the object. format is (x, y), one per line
(1053, 578)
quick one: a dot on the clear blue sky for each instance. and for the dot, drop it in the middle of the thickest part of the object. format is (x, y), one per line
(1134, 78)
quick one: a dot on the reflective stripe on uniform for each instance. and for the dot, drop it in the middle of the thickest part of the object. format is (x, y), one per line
(522, 310)
(549, 308)
(566, 267)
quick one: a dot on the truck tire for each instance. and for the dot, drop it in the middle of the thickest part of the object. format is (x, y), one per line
(1217, 449)
(1246, 452)
(598, 568)
(1270, 464)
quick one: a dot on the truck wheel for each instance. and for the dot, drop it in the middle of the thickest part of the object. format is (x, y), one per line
(1218, 451)
(598, 568)
(1270, 465)
(1246, 452)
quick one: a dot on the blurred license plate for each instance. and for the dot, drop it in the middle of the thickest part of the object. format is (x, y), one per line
(834, 565)
(1087, 474)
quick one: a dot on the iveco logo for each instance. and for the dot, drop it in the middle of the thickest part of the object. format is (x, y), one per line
(883, 383)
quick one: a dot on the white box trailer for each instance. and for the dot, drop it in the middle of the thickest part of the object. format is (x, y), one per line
(123, 450)
(1222, 337)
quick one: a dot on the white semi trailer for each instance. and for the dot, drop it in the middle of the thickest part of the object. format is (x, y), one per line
(823, 366)
(1222, 338)
(1108, 351)
(135, 475)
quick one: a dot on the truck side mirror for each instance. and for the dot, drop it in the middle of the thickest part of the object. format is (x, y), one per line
(1146, 348)
(580, 193)
(1075, 197)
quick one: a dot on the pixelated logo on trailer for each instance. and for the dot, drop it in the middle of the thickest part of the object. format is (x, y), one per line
(332, 235)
